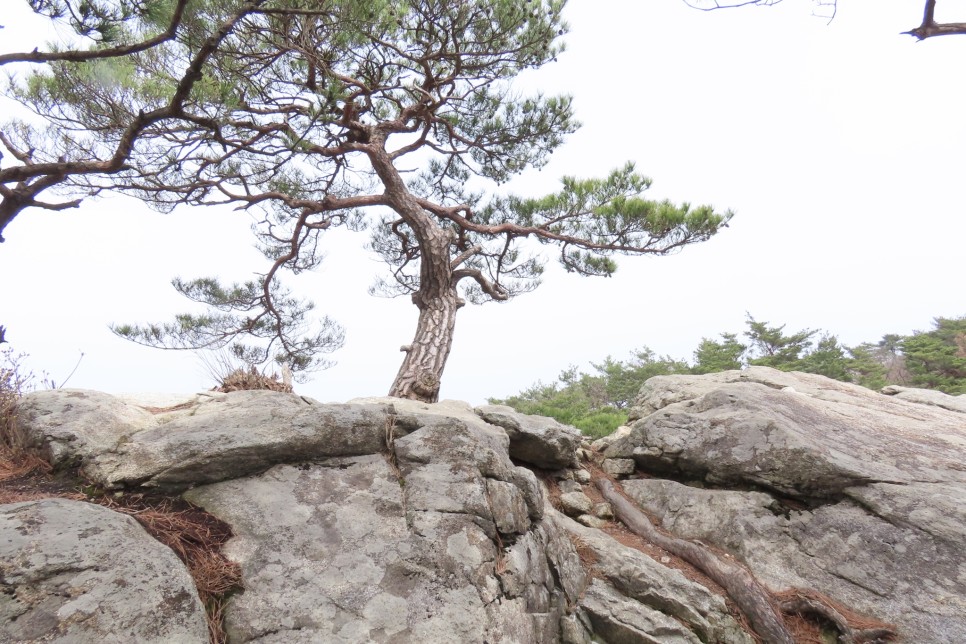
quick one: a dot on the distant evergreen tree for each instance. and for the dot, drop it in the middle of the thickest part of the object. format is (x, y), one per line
(890, 353)
(623, 380)
(866, 366)
(772, 348)
(712, 356)
(828, 359)
(568, 402)
(937, 359)
(595, 404)
(875, 365)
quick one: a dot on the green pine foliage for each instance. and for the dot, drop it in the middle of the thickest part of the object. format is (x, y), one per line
(619, 381)
(937, 359)
(278, 326)
(772, 348)
(568, 402)
(712, 356)
(597, 402)
(867, 366)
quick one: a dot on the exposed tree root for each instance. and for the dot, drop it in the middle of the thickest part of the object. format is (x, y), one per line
(751, 598)
(852, 627)
(762, 609)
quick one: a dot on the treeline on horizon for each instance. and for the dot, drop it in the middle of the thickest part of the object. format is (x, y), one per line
(597, 402)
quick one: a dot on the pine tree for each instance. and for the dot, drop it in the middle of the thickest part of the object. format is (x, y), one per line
(313, 113)
(772, 348)
(712, 356)
(866, 366)
(936, 359)
(828, 358)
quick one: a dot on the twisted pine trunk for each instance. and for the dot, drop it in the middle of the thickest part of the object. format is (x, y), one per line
(422, 368)
(437, 299)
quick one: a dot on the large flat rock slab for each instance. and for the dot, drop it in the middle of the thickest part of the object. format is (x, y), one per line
(206, 438)
(928, 397)
(660, 391)
(798, 434)
(536, 440)
(76, 572)
(176, 442)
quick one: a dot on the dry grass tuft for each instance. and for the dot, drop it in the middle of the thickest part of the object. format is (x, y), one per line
(806, 631)
(14, 382)
(17, 464)
(16, 461)
(242, 380)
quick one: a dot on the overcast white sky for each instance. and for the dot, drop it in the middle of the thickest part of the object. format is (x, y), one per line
(841, 147)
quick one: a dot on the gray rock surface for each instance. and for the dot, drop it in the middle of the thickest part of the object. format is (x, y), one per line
(927, 397)
(602, 443)
(591, 521)
(604, 511)
(437, 542)
(210, 438)
(76, 572)
(860, 495)
(619, 620)
(803, 435)
(618, 467)
(575, 503)
(536, 440)
(892, 570)
(576, 629)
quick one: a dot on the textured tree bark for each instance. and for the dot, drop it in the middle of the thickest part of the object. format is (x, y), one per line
(752, 599)
(437, 299)
(422, 368)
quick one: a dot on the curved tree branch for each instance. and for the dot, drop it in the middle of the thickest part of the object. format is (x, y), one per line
(495, 291)
(543, 232)
(930, 28)
(51, 174)
(95, 54)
